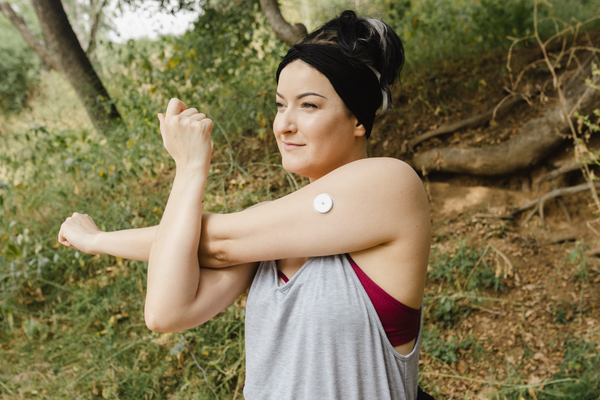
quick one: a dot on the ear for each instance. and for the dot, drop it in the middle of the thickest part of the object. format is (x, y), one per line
(359, 129)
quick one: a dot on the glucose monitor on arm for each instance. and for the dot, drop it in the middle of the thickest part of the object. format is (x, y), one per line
(323, 203)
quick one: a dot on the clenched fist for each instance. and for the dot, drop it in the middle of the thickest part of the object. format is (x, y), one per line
(186, 136)
(79, 232)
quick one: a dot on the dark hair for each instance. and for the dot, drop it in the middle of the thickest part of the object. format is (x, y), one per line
(367, 41)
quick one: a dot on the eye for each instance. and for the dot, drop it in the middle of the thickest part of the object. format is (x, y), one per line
(309, 105)
(279, 105)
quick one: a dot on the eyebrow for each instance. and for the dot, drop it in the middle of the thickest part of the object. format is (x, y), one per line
(303, 95)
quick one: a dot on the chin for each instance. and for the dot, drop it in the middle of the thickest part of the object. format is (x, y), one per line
(296, 169)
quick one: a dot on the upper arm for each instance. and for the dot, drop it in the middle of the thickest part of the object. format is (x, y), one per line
(376, 201)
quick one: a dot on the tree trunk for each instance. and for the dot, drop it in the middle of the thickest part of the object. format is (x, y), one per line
(536, 139)
(62, 40)
(29, 37)
(289, 34)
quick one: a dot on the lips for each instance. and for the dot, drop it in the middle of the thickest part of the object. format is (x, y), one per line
(291, 146)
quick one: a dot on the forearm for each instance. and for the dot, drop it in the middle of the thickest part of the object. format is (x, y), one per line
(132, 244)
(173, 269)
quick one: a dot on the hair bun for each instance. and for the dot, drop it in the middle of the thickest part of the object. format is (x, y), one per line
(367, 41)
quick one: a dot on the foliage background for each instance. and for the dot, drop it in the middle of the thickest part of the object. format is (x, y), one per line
(71, 324)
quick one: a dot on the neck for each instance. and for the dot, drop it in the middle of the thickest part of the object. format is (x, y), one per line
(359, 155)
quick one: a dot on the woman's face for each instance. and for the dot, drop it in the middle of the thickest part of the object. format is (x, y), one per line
(315, 131)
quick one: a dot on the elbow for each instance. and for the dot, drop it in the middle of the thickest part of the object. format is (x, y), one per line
(220, 257)
(168, 321)
(214, 255)
(155, 324)
(162, 322)
(214, 248)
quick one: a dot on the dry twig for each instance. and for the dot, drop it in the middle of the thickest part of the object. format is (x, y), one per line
(563, 102)
(492, 383)
(562, 238)
(539, 202)
(572, 165)
(505, 104)
(198, 365)
(589, 225)
(538, 137)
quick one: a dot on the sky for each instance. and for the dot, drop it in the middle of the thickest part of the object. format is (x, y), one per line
(150, 22)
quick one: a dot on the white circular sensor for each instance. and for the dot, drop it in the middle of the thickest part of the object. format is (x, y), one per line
(323, 203)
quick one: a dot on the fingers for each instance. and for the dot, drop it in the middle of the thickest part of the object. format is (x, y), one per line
(189, 112)
(73, 222)
(161, 121)
(207, 124)
(197, 117)
(61, 238)
(175, 107)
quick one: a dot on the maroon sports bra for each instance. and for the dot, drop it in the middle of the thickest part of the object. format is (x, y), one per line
(400, 322)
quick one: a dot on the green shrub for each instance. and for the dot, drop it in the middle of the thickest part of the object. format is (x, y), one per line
(434, 344)
(578, 378)
(19, 71)
(463, 266)
(433, 30)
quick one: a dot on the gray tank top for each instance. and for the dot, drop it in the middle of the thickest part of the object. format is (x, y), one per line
(318, 336)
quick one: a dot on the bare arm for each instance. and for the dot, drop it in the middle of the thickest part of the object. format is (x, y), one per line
(379, 204)
(376, 202)
(180, 295)
(216, 288)
(81, 232)
(174, 283)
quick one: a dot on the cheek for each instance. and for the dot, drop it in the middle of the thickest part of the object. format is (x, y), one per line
(331, 130)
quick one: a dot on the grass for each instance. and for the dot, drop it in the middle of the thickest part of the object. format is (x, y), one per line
(435, 345)
(71, 324)
(578, 378)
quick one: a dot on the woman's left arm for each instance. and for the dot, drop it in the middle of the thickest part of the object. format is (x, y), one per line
(377, 201)
(173, 269)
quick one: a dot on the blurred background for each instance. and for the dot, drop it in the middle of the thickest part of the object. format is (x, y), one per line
(511, 309)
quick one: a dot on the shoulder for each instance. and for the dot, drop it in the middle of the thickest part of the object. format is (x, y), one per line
(385, 177)
(382, 168)
(388, 167)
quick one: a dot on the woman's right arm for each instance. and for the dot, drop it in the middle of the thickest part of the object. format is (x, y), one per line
(217, 288)
(81, 232)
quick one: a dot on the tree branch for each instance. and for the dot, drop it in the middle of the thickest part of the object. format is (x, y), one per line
(94, 29)
(29, 37)
(568, 167)
(289, 34)
(536, 138)
(467, 123)
(539, 202)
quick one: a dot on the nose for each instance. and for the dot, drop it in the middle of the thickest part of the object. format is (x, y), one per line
(285, 122)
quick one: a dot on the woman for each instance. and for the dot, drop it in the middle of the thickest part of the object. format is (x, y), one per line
(337, 315)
